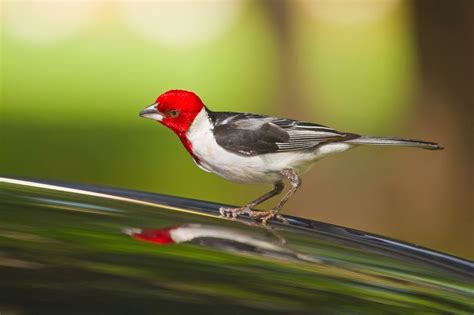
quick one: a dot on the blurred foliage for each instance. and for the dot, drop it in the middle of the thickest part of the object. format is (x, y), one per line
(106, 74)
(361, 66)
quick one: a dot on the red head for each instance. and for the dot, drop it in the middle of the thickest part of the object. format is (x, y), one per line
(157, 236)
(175, 109)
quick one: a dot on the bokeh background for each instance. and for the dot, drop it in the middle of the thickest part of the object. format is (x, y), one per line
(75, 74)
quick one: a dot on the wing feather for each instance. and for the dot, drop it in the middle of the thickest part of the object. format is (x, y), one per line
(304, 135)
(250, 134)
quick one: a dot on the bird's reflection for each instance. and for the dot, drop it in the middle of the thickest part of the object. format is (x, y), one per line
(222, 238)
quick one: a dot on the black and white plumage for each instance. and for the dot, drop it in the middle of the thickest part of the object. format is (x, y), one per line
(250, 134)
(256, 149)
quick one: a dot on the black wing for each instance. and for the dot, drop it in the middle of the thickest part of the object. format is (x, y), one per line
(250, 134)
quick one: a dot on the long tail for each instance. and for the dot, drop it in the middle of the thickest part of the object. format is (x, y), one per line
(396, 142)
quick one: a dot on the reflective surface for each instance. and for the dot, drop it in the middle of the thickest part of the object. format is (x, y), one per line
(79, 249)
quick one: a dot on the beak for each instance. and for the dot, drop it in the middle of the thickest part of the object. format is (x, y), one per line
(151, 112)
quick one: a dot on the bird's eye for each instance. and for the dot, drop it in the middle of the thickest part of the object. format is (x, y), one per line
(173, 113)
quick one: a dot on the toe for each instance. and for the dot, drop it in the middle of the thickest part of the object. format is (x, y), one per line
(265, 217)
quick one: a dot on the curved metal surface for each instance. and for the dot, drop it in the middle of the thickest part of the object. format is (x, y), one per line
(68, 248)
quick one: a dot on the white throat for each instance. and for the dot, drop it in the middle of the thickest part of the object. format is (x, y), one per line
(200, 135)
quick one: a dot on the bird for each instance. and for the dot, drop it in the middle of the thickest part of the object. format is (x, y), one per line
(256, 149)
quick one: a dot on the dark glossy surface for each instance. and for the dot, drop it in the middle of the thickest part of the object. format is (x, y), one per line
(74, 249)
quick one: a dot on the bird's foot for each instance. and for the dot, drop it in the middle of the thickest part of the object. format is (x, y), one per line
(235, 212)
(263, 216)
(267, 215)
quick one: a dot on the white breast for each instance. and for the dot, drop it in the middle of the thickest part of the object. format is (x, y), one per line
(260, 169)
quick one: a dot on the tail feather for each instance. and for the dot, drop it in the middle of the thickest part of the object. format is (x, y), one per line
(367, 140)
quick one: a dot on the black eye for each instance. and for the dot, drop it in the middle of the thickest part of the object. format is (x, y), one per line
(173, 113)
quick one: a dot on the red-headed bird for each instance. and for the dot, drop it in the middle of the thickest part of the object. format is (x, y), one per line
(255, 149)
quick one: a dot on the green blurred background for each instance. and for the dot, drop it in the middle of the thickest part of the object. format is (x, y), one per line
(75, 74)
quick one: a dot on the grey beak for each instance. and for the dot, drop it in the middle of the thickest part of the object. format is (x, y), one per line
(151, 112)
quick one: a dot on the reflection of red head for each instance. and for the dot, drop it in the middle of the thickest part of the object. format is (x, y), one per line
(157, 236)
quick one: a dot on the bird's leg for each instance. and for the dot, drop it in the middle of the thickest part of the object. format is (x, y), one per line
(247, 209)
(295, 184)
